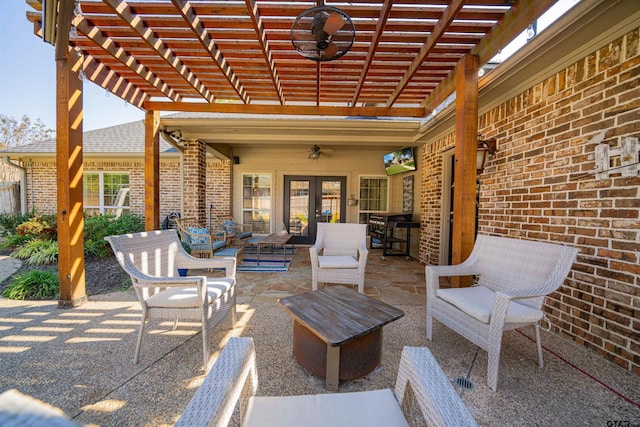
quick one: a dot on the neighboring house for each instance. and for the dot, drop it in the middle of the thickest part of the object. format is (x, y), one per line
(112, 163)
(113, 179)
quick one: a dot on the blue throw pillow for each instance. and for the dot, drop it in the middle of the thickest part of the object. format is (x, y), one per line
(197, 239)
(229, 226)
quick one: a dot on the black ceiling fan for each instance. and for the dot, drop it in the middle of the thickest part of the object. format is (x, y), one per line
(323, 33)
(315, 153)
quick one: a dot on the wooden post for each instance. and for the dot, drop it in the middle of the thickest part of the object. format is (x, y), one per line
(152, 170)
(69, 160)
(465, 174)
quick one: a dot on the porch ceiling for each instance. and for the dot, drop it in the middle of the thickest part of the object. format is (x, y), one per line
(237, 57)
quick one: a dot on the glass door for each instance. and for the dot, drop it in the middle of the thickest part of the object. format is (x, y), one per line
(312, 199)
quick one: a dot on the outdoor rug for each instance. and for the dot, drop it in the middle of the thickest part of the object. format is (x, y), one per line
(270, 261)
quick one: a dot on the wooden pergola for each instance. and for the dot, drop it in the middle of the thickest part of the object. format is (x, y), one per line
(408, 56)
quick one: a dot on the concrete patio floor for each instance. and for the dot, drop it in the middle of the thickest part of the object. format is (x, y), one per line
(80, 359)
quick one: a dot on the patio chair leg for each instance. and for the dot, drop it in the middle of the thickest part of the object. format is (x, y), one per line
(139, 343)
(205, 345)
(233, 315)
(429, 328)
(492, 368)
(539, 345)
(175, 324)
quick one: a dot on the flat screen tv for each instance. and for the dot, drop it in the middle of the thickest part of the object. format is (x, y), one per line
(399, 161)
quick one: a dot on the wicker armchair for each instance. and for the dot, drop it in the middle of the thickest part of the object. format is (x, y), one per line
(200, 241)
(339, 254)
(513, 278)
(152, 259)
(234, 378)
(234, 231)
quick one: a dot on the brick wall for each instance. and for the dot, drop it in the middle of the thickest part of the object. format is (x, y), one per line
(195, 180)
(219, 187)
(540, 186)
(42, 187)
(431, 199)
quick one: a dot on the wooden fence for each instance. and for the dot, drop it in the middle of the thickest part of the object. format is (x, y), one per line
(10, 197)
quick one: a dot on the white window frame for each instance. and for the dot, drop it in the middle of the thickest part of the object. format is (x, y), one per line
(370, 211)
(102, 208)
(258, 209)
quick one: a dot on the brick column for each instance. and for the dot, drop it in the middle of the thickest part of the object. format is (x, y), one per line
(195, 180)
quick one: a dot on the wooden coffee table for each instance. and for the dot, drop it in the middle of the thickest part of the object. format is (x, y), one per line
(337, 332)
(273, 239)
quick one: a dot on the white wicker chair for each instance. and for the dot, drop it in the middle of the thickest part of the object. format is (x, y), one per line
(234, 379)
(339, 254)
(513, 278)
(152, 259)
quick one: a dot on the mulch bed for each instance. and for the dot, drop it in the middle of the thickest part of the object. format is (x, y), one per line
(102, 275)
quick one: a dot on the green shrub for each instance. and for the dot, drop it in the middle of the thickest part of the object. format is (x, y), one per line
(9, 222)
(33, 240)
(38, 226)
(34, 284)
(15, 240)
(96, 227)
(37, 252)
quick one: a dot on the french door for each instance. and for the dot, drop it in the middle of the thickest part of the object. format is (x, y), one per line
(312, 199)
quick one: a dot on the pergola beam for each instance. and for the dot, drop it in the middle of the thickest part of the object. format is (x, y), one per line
(375, 40)
(465, 174)
(111, 47)
(438, 30)
(152, 170)
(112, 82)
(515, 21)
(258, 24)
(211, 47)
(123, 10)
(69, 163)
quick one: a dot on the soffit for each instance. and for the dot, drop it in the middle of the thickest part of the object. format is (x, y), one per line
(272, 131)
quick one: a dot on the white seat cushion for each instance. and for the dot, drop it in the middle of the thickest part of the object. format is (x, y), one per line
(477, 302)
(337, 261)
(377, 408)
(188, 297)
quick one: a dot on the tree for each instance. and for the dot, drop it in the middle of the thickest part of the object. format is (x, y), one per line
(15, 133)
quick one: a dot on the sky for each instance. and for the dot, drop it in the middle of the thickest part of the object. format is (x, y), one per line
(28, 78)
(27, 74)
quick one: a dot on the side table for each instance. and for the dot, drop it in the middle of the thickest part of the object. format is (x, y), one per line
(337, 332)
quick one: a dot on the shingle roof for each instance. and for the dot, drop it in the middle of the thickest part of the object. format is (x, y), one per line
(119, 139)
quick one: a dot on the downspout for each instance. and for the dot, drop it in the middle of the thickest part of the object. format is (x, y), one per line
(23, 182)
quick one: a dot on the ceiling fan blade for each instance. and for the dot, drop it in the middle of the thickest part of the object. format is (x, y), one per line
(331, 50)
(303, 36)
(333, 24)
